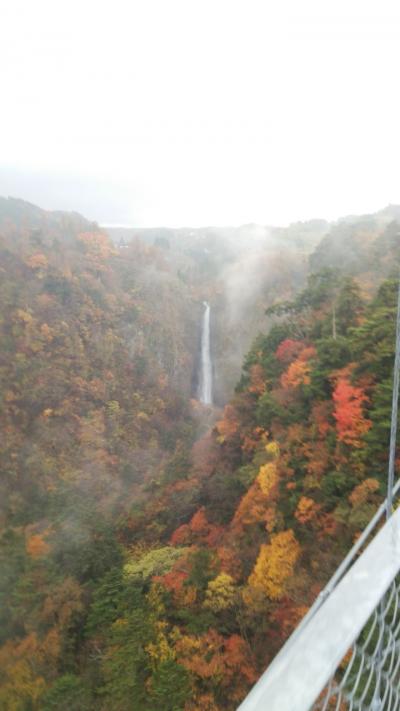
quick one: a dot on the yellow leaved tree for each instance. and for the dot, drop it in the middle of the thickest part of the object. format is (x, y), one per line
(275, 564)
(220, 593)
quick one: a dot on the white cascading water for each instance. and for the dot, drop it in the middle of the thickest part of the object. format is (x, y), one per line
(206, 367)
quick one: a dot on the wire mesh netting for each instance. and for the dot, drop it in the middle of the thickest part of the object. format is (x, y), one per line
(368, 677)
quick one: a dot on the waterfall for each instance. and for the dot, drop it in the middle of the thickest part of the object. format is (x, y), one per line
(205, 389)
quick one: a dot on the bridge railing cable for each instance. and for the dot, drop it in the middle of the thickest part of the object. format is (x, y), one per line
(395, 405)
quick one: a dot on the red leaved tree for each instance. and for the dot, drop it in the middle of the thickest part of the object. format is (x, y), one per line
(349, 400)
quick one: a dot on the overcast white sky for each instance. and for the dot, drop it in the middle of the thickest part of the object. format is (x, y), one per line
(194, 112)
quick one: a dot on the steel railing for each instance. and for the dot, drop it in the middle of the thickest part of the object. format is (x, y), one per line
(345, 654)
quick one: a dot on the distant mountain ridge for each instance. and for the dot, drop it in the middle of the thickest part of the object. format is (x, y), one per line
(23, 213)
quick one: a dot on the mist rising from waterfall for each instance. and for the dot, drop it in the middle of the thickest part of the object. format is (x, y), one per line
(205, 390)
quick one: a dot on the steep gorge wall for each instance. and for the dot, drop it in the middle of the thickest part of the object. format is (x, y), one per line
(239, 271)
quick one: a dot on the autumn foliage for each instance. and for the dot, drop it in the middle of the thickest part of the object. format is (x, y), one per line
(275, 564)
(351, 423)
(154, 556)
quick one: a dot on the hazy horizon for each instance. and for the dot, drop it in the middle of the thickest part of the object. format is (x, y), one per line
(224, 113)
(205, 226)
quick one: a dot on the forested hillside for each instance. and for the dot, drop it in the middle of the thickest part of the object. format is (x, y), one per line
(150, 561)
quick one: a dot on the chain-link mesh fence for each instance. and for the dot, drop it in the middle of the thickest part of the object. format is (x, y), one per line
(368, 678)
(328, 664)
